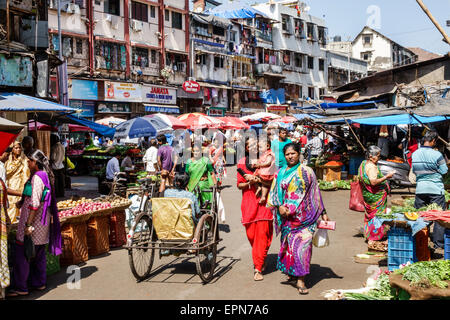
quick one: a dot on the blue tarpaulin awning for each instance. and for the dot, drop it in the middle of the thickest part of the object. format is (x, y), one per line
(332, 105)
(301, 116)
(235, 10)
(393, 120)
(99, 128)
(11, 101)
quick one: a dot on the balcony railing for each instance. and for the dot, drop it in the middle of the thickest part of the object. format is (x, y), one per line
(269, 68)
(264, 36)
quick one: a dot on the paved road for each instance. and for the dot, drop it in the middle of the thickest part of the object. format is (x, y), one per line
(109, 276)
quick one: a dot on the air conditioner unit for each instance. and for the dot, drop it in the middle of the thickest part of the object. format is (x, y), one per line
(73, 7)
(108, 17)
(136, 25)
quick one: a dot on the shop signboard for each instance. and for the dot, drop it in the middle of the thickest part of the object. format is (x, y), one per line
(216, 112)
(87, 107)
(83, 90)
(280, 110)
(159, 95)
(162, 109)
(113, 107)
(191, 86)
(121, 91)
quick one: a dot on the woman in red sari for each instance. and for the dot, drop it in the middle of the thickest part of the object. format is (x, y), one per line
(256, 218)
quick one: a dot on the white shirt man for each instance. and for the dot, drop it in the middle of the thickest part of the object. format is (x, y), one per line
(57, 156)
(150, 159)
(112, 167)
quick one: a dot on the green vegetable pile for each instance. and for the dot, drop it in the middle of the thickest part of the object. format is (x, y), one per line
(447, 195)
(427, 274)
(382, 291)
(326, 185)
(408, 206)
(343, 184)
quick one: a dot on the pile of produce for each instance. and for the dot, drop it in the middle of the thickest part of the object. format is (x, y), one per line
(408, 206)
(432, 215)
(333, 164)
(141, 174)
(343, 184)
(326, 185)
(84, 208)
(92, 148)
(382, 291)
(427, 274)
(114, 201)
(67, 204)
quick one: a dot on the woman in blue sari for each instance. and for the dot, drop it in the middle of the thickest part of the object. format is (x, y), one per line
(296, 203)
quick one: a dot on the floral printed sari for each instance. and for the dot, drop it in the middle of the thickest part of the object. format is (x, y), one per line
(297, 189)
(375, 202)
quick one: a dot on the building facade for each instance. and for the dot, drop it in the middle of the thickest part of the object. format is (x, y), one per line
(379, 51)
(300, 40)
(342, 69)
(124, 58)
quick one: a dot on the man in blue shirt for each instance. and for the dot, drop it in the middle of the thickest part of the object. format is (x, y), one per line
(277, 147)
(429, 165)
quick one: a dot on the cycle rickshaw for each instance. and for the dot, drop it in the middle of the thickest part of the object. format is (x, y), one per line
(201, 240)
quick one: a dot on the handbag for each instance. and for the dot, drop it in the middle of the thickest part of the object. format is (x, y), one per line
(328, 225)
(356, 198)
(29, 249)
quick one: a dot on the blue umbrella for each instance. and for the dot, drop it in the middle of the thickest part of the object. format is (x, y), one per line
(141, 127)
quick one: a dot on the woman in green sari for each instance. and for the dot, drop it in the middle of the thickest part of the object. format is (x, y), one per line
(201, 172)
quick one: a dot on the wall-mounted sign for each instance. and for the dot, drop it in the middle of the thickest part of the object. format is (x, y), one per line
(216, 112)
(121, 91)
(159, 95)
(162, 109)
(83, 90)
(113, 107)
(191, 86)
(87, 107)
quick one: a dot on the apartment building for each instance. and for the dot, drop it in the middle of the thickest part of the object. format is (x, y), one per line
(301, 39)
(379, 51)
(342, 69)
(124, 58)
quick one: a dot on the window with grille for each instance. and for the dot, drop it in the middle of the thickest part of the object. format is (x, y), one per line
(298, 60)
(311, 92)
(140, 57)
(201, 59)
(218, 31)
(112, 7)
(218, 62)
(112, 56)
(154, 57)
(79, 46)
(321, 64)
(311, 62)
(177, 20)
(139, 11)
(152, 12)
(310, 31)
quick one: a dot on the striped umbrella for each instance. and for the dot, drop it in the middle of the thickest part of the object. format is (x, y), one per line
(260, 117)
(110, 120)
(141, 127)
(233, 123)
(174, 122)
(198, 120)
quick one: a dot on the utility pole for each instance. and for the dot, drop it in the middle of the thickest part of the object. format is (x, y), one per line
(61, 101)
(428, 13)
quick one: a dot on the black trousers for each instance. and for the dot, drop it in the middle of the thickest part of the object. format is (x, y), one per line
(59, 182)
(422, 200)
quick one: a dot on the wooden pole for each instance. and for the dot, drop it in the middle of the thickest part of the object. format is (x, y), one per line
(428, 13)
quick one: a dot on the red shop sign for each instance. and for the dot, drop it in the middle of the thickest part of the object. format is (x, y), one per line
(191, 86)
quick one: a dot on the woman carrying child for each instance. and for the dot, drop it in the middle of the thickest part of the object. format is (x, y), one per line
(265, 169)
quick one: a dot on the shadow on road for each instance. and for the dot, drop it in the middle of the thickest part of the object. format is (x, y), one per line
(186, 265)
(60, 278)
(318, 273)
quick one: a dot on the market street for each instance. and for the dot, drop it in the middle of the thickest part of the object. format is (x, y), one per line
(109, 277)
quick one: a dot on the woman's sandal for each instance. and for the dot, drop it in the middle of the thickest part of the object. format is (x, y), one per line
(258, 276)
(40, 288)
(302, 290)
(16, 294)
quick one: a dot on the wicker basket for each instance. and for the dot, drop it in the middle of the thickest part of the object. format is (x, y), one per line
(98, 235)
(117, 232)
(75, 219)
(74, 244)
(101, 213)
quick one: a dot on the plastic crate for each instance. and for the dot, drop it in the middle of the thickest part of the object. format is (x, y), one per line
(401, 247)
(447, 244)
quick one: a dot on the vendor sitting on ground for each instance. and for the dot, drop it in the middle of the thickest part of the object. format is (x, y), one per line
(179, 190)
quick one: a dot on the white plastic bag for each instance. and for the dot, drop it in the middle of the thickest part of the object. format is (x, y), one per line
(321, 239)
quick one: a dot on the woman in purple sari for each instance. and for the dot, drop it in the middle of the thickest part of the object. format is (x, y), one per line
(39, 220)
(296, 203)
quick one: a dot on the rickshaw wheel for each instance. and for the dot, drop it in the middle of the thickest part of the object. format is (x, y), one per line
(141, 260)
(206, 258)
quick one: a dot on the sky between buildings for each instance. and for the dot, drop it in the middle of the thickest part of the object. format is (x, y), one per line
(400, 20)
